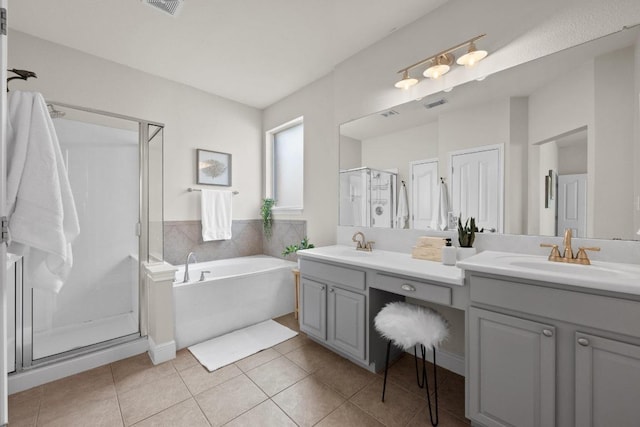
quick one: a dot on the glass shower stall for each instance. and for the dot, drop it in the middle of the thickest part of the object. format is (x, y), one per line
(114, 166)
(368, 197)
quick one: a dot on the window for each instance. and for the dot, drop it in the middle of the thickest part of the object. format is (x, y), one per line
(285, 165)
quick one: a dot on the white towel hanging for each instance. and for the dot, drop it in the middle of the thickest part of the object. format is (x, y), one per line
(402, 216)
(43, 219)
(440, 217)
(216, 214)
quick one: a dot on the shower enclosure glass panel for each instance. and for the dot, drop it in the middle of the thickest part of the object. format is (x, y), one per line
(99, 300)
(154, 178)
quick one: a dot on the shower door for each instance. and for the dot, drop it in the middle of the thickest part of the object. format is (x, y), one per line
(99, 301)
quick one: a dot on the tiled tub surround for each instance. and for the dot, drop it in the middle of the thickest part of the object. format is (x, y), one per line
(297, 382)
(182, 237)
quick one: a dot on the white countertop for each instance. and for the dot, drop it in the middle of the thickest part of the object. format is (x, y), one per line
(606, 276)
(389, 262)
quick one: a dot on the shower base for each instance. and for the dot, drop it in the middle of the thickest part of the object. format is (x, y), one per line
(71, 337)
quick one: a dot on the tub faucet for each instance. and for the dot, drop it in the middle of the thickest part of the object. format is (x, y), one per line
(186, 266)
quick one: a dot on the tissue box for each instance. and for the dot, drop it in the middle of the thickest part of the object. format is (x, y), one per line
(428, 248)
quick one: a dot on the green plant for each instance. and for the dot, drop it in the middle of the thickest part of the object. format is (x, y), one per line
(267, 218)
(292, 249)
(467, 232)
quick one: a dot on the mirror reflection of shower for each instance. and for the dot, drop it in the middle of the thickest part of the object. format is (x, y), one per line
(368, 197)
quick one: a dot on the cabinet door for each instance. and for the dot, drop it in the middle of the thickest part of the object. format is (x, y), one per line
(346, 318)
(511, 370)
(607, 382)
(313, 308)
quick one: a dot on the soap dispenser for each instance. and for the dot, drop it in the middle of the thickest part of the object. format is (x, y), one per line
(448, 253)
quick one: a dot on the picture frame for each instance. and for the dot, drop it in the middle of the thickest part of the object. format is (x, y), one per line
(213, 168)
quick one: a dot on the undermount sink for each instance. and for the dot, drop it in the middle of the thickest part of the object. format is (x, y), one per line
(354, 253)
(602, 275)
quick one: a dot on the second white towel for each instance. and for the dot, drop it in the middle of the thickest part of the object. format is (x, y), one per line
(216, 214)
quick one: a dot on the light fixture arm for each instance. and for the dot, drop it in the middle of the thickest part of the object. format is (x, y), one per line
(444, 52)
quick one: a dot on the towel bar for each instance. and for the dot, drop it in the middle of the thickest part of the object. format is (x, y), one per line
(190, 189)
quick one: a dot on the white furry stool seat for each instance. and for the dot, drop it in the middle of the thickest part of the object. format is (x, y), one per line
(407, 325)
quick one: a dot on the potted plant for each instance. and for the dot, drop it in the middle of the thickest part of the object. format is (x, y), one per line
(292, 249)
(466, 237)
(267, 218)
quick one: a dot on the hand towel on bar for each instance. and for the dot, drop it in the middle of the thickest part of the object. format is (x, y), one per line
(440, 217)
(42, 214)
(402, 217)
(216, 214)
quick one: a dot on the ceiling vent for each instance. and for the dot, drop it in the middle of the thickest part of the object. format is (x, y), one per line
(389, 113)
(435, 103)
(170, 7)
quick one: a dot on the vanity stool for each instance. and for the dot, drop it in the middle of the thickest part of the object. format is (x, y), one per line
(407, 325)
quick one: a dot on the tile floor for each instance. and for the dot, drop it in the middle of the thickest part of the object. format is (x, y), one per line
(297, 382)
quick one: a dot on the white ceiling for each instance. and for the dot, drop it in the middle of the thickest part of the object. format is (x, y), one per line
(252, 51)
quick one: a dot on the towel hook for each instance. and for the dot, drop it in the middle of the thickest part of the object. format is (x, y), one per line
(21, 74)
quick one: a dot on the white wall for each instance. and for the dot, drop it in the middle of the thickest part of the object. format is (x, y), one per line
(572, 159)
(193, 119)
(417, 143)
(315, 103)
(350, 153)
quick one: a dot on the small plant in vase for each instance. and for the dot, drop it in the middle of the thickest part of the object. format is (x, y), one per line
(466, 237)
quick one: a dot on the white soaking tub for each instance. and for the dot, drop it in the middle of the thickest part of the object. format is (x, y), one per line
(237, 292)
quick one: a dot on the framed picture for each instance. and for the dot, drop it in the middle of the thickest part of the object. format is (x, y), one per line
(213, 168)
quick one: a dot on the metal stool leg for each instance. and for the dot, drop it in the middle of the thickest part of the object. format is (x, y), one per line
(435, 386)
(386, 369)
(419, 380)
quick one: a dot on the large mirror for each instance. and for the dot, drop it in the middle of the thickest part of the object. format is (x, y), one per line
(534, 149)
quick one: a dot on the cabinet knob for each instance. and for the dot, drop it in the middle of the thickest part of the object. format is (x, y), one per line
(408, 287)
(583, 342)
(547, 332)
(322, 288)
(331, 290)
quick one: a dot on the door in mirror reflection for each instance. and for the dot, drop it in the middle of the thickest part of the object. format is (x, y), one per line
(476, 186)
(424, 186)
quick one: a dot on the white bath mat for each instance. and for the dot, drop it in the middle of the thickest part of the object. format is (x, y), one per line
(236, 345)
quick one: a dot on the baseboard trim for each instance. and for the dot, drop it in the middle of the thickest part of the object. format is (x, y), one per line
(40, 375)
(449, 361)
(163, 352)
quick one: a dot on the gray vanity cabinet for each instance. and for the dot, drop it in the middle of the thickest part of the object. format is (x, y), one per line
(512, 370)
(346, 321)
(313, 312)
(333, 306)
(547, 354)
(607, 382)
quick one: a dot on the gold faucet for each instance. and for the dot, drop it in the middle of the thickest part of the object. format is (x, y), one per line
(567, 255)
(362, 245)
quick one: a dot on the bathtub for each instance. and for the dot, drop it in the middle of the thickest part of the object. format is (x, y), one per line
(237, 292)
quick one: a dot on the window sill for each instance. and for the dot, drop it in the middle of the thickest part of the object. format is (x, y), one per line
(287, 210)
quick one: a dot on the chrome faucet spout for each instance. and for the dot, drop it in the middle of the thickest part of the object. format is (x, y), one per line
(186, 266)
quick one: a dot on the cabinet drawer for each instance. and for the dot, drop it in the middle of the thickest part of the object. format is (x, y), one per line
(413, 288)
(597, 311)
(333, 273)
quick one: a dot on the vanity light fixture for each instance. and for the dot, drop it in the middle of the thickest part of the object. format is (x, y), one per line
(472, 57)
(406, 82)
(441, 62)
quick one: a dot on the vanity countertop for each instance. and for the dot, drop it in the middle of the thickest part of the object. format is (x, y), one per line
(606, 276)
(389, 262)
